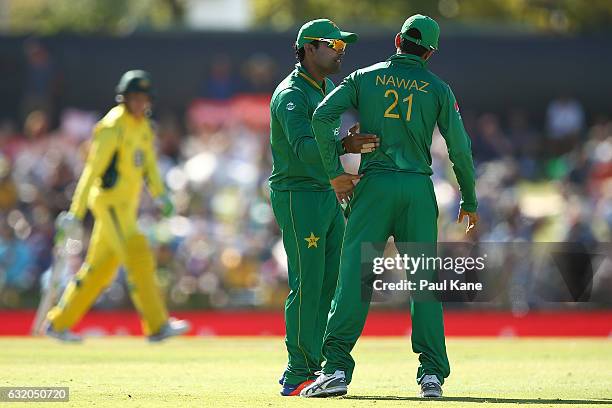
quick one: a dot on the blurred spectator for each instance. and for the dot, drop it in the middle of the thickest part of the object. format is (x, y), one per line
(598, 152)
(169, 139)
(565, 123)
(76, 125)
(43, 80)
(259, 74)
(490, 142)
(527, 143)
(8, 189)
(10, 141)
(36, 125)
(15, 259)
(220, 82)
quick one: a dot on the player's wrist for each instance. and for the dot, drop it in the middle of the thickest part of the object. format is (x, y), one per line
(470, 208)
(74, 214)
(336, 174)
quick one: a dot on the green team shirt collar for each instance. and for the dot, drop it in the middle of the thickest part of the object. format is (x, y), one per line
(407, 59)
(302, 73)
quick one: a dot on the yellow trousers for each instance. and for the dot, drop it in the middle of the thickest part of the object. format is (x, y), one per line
(115, 241)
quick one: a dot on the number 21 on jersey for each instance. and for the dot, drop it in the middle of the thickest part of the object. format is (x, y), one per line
(391, 110)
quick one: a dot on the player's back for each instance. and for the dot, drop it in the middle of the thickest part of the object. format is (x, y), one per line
(399, 100)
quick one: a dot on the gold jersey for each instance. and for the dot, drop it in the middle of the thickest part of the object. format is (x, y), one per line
(121, 157)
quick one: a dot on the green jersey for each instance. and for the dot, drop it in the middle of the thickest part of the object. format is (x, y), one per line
(296, 161)
(401, 101)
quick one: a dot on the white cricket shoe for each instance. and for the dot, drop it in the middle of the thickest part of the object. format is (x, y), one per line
(326, 385)
(174, 327)
(431, 387)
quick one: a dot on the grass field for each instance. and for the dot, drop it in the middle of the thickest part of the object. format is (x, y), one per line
(242, 372)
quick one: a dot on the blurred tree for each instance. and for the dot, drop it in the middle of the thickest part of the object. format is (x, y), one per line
(544, 15)
(91, 16)
(121, 16)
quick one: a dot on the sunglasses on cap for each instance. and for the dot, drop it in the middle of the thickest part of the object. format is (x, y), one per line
(336, 45)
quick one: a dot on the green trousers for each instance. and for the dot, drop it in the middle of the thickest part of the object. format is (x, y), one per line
(402, 205)
(313, 226)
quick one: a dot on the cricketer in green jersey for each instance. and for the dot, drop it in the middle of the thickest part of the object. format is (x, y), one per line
(303, 201)
(401, 101)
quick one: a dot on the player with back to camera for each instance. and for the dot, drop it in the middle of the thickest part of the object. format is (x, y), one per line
(401, 101)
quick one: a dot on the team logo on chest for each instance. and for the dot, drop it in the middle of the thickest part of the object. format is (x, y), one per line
(138, 158)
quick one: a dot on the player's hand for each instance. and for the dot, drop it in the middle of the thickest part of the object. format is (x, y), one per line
(472, 220)
(343, 186)
(165, 205)
(356, 142)
(67, 225)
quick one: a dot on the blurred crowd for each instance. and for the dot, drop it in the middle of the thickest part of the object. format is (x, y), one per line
(538, 181)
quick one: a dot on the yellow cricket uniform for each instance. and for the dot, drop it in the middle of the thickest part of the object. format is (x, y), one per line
(122, 157)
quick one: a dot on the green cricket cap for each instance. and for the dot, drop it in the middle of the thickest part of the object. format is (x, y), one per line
(135, 81)
(323, 28)
(427, 26)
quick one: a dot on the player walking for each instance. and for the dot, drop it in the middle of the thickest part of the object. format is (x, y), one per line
(121, 157)
(400, 100)
(303, 201)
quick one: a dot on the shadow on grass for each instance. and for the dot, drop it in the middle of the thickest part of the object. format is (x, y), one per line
(492, 400)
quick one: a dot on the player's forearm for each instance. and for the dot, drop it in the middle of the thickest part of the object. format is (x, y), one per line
(325, 120)
(460, 154)
(307, 150)
(156, 189)
(463, 166)
(154, 183)
(327, 145)
(79, 199)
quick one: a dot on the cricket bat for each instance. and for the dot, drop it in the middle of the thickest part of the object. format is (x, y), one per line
(64, 246)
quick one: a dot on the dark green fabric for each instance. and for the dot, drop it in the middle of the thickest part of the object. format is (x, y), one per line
(401, 101)
(313, 226)
(427, 27)
(405, 207)
(323, 28)
(297, 163)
